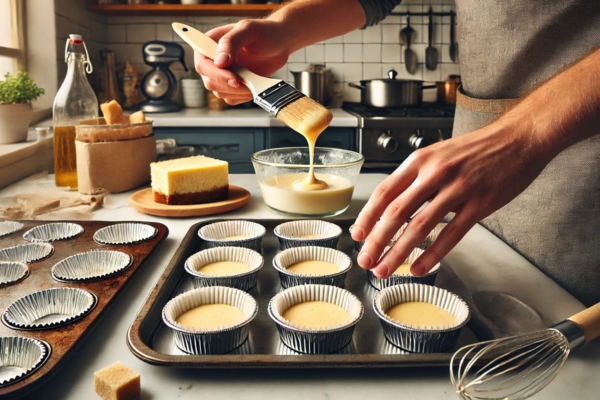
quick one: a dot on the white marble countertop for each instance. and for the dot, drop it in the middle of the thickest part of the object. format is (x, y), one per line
(106, 343)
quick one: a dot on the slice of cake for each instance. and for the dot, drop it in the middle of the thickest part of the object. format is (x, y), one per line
(191, 180)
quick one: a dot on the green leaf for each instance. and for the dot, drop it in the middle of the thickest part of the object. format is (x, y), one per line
(18, 88)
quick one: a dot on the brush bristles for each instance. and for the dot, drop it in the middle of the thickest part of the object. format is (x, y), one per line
(305, 116)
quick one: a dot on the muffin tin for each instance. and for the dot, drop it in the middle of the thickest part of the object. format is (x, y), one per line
(43, 316)
(151, 340)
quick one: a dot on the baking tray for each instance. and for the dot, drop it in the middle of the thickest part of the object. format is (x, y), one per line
(65, 339)
(151, 341)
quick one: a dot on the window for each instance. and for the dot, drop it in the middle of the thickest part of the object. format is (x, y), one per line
(12, 40)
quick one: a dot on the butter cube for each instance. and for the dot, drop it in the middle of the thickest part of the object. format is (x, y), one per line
(117, 382)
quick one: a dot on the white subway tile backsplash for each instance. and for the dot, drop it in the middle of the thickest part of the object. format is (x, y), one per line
(390, 34)
(141, 33)
(315, 53)
(450, 69)
(334, 52)
(354, 36)
(372, 34)
(297, 57)
(351, 71)
(371, 53)
(353, 53)
(164, 32)
(372, 71)
(117, 34)
(390, 53)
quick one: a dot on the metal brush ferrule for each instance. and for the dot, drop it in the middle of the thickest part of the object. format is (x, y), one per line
(572, 332)
(276, 97)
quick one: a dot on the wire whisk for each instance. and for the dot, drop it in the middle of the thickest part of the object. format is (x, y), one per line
(518, 367)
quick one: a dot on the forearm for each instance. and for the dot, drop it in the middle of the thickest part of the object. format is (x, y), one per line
(305, 22)
(560, 112)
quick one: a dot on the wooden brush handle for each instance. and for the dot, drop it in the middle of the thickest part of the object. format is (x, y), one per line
(207, 47)
(589, 322)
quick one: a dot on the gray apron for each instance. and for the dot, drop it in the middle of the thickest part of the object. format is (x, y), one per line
(507, 47)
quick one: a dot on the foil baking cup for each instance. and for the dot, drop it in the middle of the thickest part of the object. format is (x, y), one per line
(49, 308)
(8, 227)
(218, 341)
(20, 357)
(12, 272)
(244, 281)
(315, 341)
(294, 255)
(126, 233)
(26, 253)
(91, 265)
(394, 279)
(416, 339)
(53, 232)
(218, 234)
(307, 233)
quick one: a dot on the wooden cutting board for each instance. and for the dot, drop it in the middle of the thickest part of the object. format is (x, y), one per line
(143, 201)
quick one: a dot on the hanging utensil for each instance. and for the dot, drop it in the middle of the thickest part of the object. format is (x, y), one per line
(431, 53)
(517, 367)
(410, 58)
(453, 44)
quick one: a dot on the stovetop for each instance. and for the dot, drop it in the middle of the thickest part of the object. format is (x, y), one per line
(426, 110)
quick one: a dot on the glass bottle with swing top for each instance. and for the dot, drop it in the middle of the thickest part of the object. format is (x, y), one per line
(75, 102)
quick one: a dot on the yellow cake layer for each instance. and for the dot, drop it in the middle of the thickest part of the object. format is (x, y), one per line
(189, 175)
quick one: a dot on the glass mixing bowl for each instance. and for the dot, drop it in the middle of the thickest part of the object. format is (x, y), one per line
(277, 169)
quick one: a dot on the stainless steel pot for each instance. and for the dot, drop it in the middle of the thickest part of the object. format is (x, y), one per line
(314, 83)
(391, 92)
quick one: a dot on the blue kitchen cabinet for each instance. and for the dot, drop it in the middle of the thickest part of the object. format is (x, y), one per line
(234, 145)
(339, 138)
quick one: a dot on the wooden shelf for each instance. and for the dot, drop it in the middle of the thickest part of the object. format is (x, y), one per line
(158, 10)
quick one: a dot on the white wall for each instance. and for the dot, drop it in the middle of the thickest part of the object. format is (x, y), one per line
(39, 16)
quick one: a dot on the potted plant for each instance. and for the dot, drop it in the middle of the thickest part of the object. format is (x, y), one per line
(192, 88)
(16, 93)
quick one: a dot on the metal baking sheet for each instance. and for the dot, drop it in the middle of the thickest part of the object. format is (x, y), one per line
(151, 341)
(64, 340)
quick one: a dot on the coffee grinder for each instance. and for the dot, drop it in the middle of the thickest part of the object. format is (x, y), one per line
(159, 85)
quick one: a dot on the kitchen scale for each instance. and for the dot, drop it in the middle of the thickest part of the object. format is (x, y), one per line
(159, 85)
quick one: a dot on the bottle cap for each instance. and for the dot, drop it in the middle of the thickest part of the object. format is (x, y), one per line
(77, 39)
(42, 131)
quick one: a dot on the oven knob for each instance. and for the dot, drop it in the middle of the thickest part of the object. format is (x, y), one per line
(388, 143)
(418, 141)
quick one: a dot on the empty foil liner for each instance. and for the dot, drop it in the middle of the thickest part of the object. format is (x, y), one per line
(315, 341)
(126, 233)
(91, 265)
(419, 340)
(307, 233)
(12, 272)
(49, 308)
(395, 279)
(233, 233)
(295, 255)
(218, 341)
(244, 281)
(26, 253)
(53, 232)
(20, 357)
(8, 227)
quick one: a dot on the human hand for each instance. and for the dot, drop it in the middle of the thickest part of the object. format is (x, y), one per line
(259, 45)
(472, 175)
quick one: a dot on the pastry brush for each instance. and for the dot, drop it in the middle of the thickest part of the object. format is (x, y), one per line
(277, 97)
